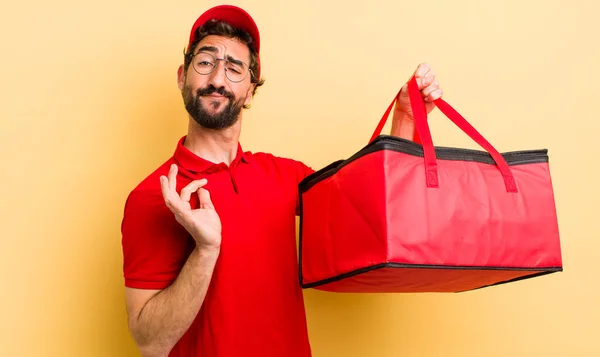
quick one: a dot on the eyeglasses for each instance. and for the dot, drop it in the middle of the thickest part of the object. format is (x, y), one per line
(205, 63)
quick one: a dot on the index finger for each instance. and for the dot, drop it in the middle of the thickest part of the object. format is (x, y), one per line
(193, 186)
(424, 75)
(422, 70)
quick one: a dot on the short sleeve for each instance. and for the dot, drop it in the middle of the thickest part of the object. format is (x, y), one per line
(155, 245)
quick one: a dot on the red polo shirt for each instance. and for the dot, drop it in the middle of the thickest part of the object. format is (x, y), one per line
(254, 304)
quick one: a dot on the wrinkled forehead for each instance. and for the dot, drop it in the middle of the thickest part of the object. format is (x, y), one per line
(221, 47)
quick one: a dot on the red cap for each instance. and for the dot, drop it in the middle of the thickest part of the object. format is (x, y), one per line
(235, 16)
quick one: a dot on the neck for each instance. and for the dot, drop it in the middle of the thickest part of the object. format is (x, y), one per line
(213, 145)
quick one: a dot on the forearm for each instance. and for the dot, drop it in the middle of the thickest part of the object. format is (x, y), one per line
(169, 313)
(403, 125)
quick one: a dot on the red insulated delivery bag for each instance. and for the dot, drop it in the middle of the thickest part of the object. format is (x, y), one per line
(405, 216)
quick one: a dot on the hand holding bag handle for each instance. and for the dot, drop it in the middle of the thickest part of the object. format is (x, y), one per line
(420, 116)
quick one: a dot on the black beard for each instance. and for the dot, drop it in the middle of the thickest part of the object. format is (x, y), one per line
(218, 121)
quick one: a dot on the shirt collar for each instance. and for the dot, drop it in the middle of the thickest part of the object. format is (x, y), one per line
(192, 162)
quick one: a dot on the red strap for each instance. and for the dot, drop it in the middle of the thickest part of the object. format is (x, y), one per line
(377, 132)
(381, 124)
(467, 128)
(420, 115)
(424, 134)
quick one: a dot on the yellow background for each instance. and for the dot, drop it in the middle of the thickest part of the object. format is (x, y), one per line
(90, 106)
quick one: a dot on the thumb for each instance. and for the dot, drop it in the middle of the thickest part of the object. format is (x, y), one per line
(403, 100)
(403, 91)
(204, 198)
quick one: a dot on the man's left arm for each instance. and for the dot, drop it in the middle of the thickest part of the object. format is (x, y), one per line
(403, 124)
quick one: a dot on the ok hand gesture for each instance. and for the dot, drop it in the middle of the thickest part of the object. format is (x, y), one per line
(202, 223)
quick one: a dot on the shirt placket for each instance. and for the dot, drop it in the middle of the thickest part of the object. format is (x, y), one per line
(230, 171)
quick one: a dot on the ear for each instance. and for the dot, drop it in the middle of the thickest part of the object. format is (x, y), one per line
(249, 93)
(180, 77)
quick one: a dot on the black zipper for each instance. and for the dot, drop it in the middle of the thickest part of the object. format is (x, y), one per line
(393, 143)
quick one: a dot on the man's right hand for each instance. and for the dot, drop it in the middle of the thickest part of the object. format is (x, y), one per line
(202, 223)
(159, 318)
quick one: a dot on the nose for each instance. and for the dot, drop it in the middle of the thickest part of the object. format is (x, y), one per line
(217, 77)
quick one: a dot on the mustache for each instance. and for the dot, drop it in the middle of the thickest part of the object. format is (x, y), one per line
(211, 89)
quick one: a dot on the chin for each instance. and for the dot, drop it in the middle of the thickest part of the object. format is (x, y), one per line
(214, 105)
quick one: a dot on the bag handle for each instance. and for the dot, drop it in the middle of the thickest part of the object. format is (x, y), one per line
(420, 116)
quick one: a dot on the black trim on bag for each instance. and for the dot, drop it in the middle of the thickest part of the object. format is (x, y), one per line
(535, 272)
(393, 143)
(516, 279)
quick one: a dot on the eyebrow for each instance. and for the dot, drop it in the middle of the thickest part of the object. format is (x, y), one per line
(215, 50)
(208, 49)
(234, 60)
